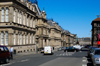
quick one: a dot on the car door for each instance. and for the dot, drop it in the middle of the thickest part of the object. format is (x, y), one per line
(2, 54)
(6, 52)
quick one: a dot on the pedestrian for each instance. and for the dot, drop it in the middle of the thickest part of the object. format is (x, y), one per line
(53, 48)
(11, 52)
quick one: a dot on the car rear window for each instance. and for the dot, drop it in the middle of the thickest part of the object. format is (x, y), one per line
(97, 52)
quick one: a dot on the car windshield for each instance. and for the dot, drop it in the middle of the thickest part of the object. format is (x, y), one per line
(97, 52)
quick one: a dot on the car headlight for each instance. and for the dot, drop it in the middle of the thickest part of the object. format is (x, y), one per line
(96, 59)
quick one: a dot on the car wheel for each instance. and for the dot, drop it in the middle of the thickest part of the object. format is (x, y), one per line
(7, 60)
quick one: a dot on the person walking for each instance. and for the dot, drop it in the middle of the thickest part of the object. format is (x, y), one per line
(11, 52)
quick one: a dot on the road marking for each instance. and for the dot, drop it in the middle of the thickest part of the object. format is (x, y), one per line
(84, 57)
(84, 65)
(7, 64)
(24, 60)
(84, 60)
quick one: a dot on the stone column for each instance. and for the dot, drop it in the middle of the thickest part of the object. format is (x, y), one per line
(10, 40)
(16, 16)
(10, 14)
(22, 18)
(25, 19)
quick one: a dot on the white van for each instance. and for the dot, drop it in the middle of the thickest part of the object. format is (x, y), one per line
(78, 47)
(48, 50)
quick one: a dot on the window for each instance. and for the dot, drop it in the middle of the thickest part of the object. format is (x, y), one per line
(33, 38)
(6, 37)
(14, 15)
(23, 39)
(27, 20)
(33, 24)
(23, 19)
(30, 39)
(7, 14)
(14, 38)
(30, 22)
(2, 15)
(20, 17)
(27, 39)
(20, 39)
(2, 37)
(98, 24)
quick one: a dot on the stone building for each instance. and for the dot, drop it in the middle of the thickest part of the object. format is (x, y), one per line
(54, 34)
(68, 39)
(17, 24)
(95, 30)
(84, 41)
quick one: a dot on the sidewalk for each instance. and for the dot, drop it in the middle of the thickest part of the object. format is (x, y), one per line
(28, 53)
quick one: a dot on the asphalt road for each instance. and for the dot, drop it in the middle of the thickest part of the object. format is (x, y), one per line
(60, 58)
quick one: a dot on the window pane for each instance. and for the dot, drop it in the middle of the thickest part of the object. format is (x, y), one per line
(2, 38)
(6, 38)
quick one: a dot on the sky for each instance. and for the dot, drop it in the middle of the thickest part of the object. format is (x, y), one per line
(72, 15)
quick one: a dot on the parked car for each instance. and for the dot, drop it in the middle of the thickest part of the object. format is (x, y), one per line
(4, 54)
(72, 49)
(48, 50)
(95, 57)
(63, 48)
(66, 49)
(42, 50)
(59, 49)
(78, 47)
(90, 50)
(87, 46)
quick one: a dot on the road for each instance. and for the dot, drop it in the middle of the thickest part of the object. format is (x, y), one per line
(60, 58)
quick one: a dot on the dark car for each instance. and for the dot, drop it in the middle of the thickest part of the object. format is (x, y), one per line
(72, 49)
(66, 49)
(4, 54)
(90, 51)
(87, 46)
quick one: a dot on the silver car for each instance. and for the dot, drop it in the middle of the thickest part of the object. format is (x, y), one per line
(95, 57)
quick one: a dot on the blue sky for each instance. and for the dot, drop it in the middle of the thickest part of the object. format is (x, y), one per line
(73, 15)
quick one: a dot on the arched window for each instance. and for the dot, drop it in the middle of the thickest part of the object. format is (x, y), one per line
(7, 14)
(33, 39)
(20, 39)
(23, 39)
(23, 19)
(27, 20)
(2, 38)
(20, 17)
(2, 15)
(14, 15)
(30, 22)
(30, 39)
(6, 37)
(27, 38)
(14, 38)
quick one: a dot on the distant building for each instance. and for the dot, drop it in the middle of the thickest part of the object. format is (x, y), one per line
(95, 30)
(84, 41)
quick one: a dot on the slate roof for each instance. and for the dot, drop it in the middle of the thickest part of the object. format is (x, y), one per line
(97, 19)
(50, 22)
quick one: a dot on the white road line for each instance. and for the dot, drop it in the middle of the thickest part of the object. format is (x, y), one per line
(84, 57)
(84, 65)
(83, 60)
